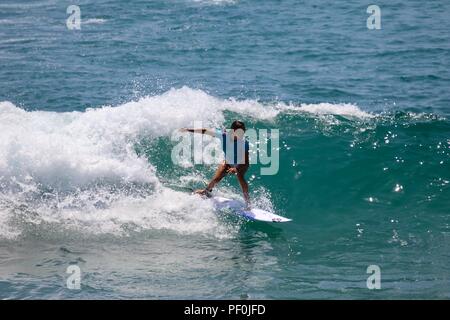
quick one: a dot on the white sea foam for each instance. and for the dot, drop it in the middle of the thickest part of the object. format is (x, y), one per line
(93, 21)
(341, 109)
(216, 2)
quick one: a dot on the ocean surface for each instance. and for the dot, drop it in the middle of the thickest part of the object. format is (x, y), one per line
(87, 116)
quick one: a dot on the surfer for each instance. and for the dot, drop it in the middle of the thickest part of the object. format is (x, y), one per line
(235, 148)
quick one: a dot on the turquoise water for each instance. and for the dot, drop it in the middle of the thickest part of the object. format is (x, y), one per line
(86, 177)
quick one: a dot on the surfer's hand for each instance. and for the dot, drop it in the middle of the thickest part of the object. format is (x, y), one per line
(232, 170)
(183, 130)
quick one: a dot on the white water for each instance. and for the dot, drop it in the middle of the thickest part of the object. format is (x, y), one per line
(79, 170)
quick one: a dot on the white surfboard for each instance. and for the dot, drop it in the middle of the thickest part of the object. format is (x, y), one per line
(254, 214)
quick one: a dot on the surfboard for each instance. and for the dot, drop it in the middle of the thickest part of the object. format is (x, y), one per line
(238, 208)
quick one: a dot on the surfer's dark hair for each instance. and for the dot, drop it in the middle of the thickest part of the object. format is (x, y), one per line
(238, 125)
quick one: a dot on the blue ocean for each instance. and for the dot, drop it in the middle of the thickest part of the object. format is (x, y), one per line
(91, 93)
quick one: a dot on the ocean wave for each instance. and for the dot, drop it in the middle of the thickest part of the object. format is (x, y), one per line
(76, 168)
(81, 171)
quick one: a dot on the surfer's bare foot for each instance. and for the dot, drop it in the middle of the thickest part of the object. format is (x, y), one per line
(200, 191)
(203, 192)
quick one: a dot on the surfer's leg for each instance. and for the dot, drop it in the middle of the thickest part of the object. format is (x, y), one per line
(220, 173)
(244, 186)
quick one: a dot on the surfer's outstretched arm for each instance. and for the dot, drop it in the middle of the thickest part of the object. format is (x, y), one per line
(210, 132)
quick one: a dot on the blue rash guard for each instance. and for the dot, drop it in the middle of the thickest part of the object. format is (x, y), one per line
(241, 147)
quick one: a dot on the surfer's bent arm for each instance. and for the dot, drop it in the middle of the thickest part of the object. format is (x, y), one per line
(209, 132)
